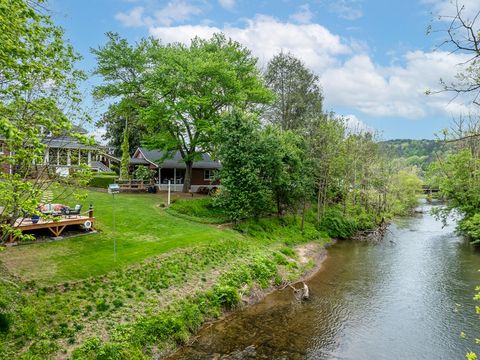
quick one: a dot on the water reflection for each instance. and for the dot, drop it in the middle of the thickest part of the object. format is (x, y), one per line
(408, 297)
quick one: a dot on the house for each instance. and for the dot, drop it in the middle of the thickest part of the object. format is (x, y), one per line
(65, 152)
(173, 169)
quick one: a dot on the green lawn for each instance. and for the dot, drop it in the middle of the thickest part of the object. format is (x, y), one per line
(143, 229)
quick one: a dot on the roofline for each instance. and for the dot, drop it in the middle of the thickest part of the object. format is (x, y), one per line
(151, 162)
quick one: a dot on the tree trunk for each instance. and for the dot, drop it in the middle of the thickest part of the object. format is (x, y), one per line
(187, 183)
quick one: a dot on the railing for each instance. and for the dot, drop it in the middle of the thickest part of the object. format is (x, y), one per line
(134, 185)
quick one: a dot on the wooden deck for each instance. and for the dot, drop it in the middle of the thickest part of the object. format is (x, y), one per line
(55, 227)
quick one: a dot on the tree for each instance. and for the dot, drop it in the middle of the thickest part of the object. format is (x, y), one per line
(298, 94)
(189, 87)
(463, 35)
(39, 99)
(245, 187)
(325, 138)
(125, 155)
(122, 68)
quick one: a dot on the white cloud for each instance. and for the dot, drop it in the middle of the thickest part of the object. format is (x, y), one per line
(394, 91)
(348, 75)
(227, 4)
(266, 36)
(447, 8)
(134, 18)
(346, 9)
(174, 12)
(303, 16)
(355, 125)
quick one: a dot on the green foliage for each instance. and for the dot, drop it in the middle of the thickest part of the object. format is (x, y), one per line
(298, 95)
(202, 210)
(4, 322)
(125, 156)
(122, 67)
(179, 108)
(405, 187)
(226, 296)
(457, 177)
(337, 225)
(102, 181)
(245, 163)
(33, 55)
(471, 228)
(143, 173)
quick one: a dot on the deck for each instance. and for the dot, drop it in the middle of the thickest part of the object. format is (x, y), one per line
(56, 227)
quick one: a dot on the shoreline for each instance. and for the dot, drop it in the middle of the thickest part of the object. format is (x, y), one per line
(311, 251)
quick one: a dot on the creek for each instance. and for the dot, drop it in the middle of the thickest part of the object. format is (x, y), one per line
(409, 296)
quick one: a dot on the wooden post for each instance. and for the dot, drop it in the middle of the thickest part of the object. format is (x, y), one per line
(90, 211)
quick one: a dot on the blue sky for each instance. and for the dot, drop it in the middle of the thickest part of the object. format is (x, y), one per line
(373, 57)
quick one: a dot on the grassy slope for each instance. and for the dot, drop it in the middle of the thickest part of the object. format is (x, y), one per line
(143, 229)
(143, 306)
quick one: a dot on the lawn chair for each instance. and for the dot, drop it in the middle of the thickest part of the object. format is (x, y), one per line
(70, 212)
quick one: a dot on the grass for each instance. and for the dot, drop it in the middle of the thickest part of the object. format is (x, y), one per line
(142, 229)
(201, 210)
(171, 275)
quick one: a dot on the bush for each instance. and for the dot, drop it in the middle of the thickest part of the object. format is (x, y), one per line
(337, 225)
(227, 296)
(471, 228)
(102, 181)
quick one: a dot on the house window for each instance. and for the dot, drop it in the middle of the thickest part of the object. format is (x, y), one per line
(209, 174)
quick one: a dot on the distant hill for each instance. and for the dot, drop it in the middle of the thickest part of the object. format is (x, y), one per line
(415, 152)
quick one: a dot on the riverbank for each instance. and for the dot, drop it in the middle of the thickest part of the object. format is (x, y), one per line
(368, 300)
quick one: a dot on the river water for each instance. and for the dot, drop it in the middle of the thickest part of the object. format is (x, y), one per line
(408, 297)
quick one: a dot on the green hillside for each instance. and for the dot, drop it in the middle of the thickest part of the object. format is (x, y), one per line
(418, 153)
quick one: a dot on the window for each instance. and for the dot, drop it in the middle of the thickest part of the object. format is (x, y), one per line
(209, 174)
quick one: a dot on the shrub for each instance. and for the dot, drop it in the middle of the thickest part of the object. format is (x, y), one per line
(143, 173)
(471, 227)
(227, 296)
(337, 225)
(102, 181)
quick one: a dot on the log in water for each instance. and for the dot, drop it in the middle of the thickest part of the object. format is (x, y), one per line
(408, 297)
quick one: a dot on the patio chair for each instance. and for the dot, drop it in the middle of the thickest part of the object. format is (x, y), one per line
(68, 211)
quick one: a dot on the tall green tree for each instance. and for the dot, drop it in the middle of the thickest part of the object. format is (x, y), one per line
(39, 98)
(122, 67)
(189, 88)
(298, 96)
(246, 186)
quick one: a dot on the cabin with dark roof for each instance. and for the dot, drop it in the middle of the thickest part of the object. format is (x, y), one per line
(172, 168)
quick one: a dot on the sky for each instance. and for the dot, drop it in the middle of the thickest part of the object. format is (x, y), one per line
(374, 58)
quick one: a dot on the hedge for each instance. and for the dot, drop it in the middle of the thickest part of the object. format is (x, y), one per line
(102, 181)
